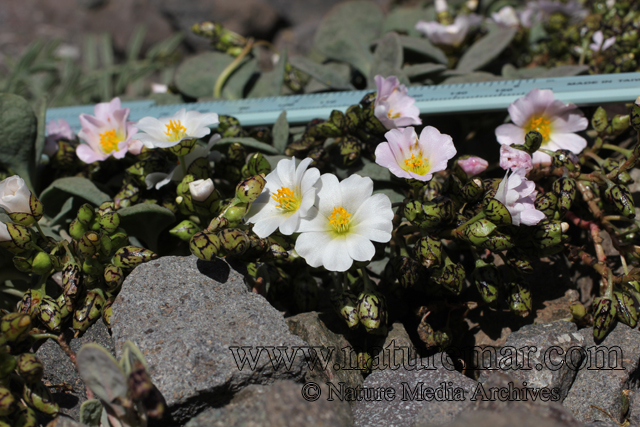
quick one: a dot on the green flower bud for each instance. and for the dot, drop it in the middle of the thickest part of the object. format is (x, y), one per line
(496, 212)
(305, 293)
(36, 210)
(105, 207)
(233, 241)
(604, 315)
(107, 312)
(183, 148)
(620, 123)
(30, 367)
(451, 277)
(8, 364)
(487, 279)
(625, 309)
(132, 256)
(372, 310)
(200, 168)
(532, 141)
(119, 239)
(109, 222)
(498, 242)
(338, 118)
(77, 229)
(635, 117)
(472, 190)
(406, 270)
(565, 189)
(548, 234)
(113, 277)
(205, 245)
(8, 404)
(92, 267)
(21, 238)
(258, 165)
(262, 134)
(565, 158)
(14, 326)
(414, 212)
(516, 259)
(491, 186)
(600, 121)
(249, 189)
(89, 244)
(234, 214)
(438, 211)
(89, 310)
(23, 263)
(127, 196)
(347, 307)
(71, 280)
(478, 232)
(105, 245)
(30, 302)
(353, 118)
(49, 313)
(428, 251)
(350, 148)
(578, 311)
(218, 223)
(42, 263)
(185, 230)
(277, 250)
(39, 397)
(519, 298)
(622, 201)
(373, 126)
(66, 304)
(85, 214)
(236, 153)
(26, 417)
(546, 203)
(234, 131)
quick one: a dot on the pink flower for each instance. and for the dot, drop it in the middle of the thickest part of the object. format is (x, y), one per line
(512, 158)
(106, 134)
(451, 35)
(599, 44)
(393, 107)
(407, 156)
(555, 121)
(506, 17)
(56, 130)
(472, 165)
(518, 195)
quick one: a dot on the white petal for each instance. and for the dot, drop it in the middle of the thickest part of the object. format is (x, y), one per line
(311, 247)
(569, 141)
(360, 248)
(510, 134)
(355, 190)
(336, 255)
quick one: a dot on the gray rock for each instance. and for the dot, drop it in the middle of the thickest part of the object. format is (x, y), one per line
(603, 384)
(442, 393)
(541, 352)
(634, 405)
(184, 314)
(278, 405)
(59, 369)
(508, 418)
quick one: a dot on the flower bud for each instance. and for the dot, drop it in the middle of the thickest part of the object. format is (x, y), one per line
(578, 311)
(600, 121)
(451, 277)
(546, 203)
(406, 270)
(185, 230)
(15, 238)
(107, 312)
(519, 298)
(604, 315)
(119, 239)
(258, 165)
(234, 214)
(218, 224)
(498, 242)
(496, 212)
(428, 251)
(625, 309)
(39, 397)
(8, 364)
(205, 245)
(472, 165)
(85, 214)
(478, 232)
(132, 256)
(8, 404)
(472, 190)
(49, 313)
(635, 116)
(622, 201)
(66, 304)
(532, 141)
(353, 118)
(77, 229)
(413, 212)
(516, 259)
(14, 326)
(372, 310)
(183, 148)
(127, 196)
(17, 200)
(620, 123)
(350, 148)
(89, 310)
(487, 280)
(249, 189)
(113, 277)
(24, 263)
(92, 267)
(201, 189)
(236, 154)
(109, 222)
(41, 263)
(89, 244)
(347, 307)
(565, 158)
(233, 241)
(30, 302)
(71, 280)
(565, 189)
(26, 417)
(30, 367)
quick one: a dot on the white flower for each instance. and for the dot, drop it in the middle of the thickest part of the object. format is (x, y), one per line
(407, 156)
(599, 44)
(541, 10)
(518, 195)
(555, 121)
(346, 219)
(200, 189)
(393, 107)
(506, 17)
(287, 197)
(15, 195)
(452, 35)
(4, 233)
(167, 132)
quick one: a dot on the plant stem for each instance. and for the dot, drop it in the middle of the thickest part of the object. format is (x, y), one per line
(368, 284)
(14, 292)
(217, 89)
(183, 164)
(44, 236)
(612, 147)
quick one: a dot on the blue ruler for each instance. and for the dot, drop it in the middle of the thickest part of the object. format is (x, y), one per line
(438, 99)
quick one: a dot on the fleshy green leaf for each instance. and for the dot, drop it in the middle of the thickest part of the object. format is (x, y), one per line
(486, 49)
(145, 221)
(423, 69)
(281, 132)
(18, 133)
(347, 31)
(404, 19)
(248, 142)
(387, 60)
(83, 190)
(90, 412)
(131, 353)
(270, 83)
(100, 372)
(372, 170)
(197, 76)
(322, 73)
(392, 194)
(424, 47)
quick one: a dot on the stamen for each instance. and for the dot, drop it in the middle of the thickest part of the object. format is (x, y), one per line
(340, 219)
(175, 130)
(109, 141)
(286, 199)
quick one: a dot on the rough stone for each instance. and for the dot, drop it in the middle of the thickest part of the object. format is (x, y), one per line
(59, 369)
(184, 314)
(435, 372)
(277, 405)
(543, 358)
(601, 381)
(634, 404)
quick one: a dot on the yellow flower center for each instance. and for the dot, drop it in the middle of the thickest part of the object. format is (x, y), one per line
(391, 115)
(175, 130)
(340, 219)
(287, 201)
(109, 141)
(418, 165)
(540, 124)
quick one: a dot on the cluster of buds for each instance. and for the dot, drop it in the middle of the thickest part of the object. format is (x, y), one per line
(368, 308)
